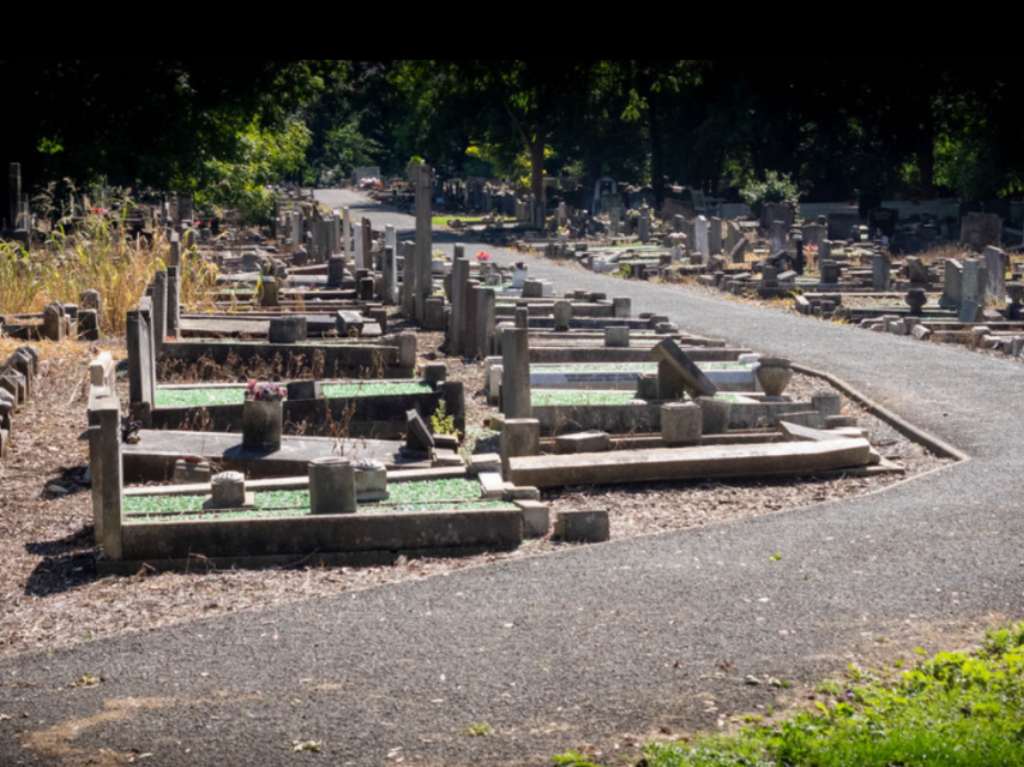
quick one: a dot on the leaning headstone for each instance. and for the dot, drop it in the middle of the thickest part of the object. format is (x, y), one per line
(679, 367)
(418, 436)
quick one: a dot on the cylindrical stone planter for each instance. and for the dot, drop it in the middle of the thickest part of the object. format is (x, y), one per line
(774, 374)
(261, 424)
(332, 486)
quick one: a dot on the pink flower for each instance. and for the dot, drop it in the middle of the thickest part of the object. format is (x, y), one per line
(483, 256)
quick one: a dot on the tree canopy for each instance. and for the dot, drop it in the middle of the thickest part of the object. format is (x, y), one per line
(839, 128)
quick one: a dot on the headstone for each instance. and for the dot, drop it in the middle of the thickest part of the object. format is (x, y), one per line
(422, 277)
(972, 299)
(287, 330)
(701, 227)
(357, 235)
(346, 232)
(996, 264)
(981, 229)
(616, 336)
(715, 235)
(952, 286)
(366, 232)
(227, 490)
(519, 436)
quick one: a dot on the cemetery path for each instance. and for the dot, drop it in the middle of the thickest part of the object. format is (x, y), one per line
(604, 644)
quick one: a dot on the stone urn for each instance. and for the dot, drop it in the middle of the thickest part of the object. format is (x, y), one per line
(774, 374)
(261, 424)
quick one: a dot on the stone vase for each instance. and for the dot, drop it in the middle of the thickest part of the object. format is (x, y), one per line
(774, 375)
(261, 424)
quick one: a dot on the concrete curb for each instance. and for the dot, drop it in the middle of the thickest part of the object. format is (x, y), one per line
(904, 427)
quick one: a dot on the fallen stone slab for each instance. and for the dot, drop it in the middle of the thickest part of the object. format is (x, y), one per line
(657, 464)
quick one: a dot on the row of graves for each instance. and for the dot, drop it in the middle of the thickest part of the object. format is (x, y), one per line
(285, 419)
(17, 384)
(834, 267)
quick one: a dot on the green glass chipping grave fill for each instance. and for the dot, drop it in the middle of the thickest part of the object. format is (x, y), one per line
(433, 495)
(199, 396)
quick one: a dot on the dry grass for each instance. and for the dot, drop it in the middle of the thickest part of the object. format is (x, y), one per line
(99, 255)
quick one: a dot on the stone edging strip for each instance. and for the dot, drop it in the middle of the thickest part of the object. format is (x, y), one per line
(904, 427)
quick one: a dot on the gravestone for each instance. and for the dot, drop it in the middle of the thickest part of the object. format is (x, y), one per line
(952, 288)
(978, 230)
(715, 235)
(972, 299)
(996, 263)
(880, 272)
(701, 227)
(515, 373)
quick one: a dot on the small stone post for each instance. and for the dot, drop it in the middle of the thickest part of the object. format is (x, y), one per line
(332, 486)
(519, 436)
(515, 373)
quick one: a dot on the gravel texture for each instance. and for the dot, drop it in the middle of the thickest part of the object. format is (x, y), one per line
(596, 647)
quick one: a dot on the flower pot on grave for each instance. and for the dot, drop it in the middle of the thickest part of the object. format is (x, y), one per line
(261, 424)
(774, 374)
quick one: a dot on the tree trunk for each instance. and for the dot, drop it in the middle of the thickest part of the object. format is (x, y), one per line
(537, 181)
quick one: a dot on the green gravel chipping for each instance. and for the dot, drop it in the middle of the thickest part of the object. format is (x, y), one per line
(235, 395)
(579, 397)
(434, 495)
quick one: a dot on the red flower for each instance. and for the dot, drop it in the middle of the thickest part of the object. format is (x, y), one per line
(483, 256)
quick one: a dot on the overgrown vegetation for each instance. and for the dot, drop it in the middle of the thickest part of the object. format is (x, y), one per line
(962, 709)
(102, 255)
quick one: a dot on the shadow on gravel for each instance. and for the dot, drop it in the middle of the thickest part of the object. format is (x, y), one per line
(72, 480)
(68, 563)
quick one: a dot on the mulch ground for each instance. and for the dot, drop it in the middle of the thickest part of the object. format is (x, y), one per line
(50, 595)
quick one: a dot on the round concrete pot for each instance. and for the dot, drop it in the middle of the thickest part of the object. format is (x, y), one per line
(261, 424)
(774, 375)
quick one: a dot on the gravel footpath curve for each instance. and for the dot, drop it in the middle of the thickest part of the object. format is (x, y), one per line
(603, 644)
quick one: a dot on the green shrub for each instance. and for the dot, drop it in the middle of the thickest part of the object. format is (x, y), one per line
(776, 187)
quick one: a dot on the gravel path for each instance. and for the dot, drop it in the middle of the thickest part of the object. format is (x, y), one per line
(602, 645)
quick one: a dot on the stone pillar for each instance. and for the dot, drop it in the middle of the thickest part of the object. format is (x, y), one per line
(13, 194)
(406, 350)
(715, 235)
(880, 272)
(174, 256)
(173, 301)
(366, 231)
(952, 287)
(563, 315)
(522, 316)
(472, 328)
(159, 311)
(407, 251)
(996, 262)
(622, 307)
(515, 373)
(457, 317)
(519, 436)
(335, 271)
(645, 223)
(360, 243)
(422, 278)
(332, 486)
(105, 464)
(486, 320)
(390, 277)
(269, 289)
(700, 229)
(346, 232)
(972, 299)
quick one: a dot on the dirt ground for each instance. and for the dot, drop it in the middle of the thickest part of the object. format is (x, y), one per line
(50, 595)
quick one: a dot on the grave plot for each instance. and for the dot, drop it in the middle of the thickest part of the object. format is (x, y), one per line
(57, 321)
